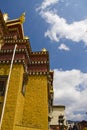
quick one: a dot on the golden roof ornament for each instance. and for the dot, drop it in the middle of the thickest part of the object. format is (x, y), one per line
(5, 16)
(44, 49)
(26, 37)
(51, 71)
(22, 18)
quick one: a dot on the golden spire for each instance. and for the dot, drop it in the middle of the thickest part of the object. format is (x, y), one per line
(22, 18)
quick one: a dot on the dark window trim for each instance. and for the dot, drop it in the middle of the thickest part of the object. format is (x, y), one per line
(3, 79)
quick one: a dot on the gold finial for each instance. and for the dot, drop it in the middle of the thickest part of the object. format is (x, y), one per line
(26, 37)
(51, 71)
(5, 16)
(44, 49)
(22, 18)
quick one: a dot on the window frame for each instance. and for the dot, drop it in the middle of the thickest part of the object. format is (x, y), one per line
(3, 78)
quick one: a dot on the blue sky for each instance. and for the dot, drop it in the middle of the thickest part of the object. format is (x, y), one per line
(60, 26)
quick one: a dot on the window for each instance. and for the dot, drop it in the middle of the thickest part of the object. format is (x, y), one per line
(24, 83)
(3, 80)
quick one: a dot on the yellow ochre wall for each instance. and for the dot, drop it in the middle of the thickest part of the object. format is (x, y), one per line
(36, 103)
(13, 109)
(28, 112)
(24, 128)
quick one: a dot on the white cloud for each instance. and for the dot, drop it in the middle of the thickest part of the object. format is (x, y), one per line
(63, 47)
(70, 89)
(59, 28)
(46, 4)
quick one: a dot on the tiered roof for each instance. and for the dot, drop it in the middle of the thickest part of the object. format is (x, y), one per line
(36, 62)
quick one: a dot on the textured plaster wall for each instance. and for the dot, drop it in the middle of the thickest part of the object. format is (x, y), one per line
(36, 102)
(28, 112)
(13, 93)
